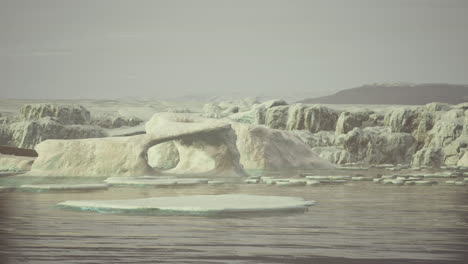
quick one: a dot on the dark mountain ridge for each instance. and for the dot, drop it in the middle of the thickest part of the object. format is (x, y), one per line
(400, 94)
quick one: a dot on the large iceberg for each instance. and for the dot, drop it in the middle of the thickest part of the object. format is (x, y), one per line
(264, 148)
(196, 138)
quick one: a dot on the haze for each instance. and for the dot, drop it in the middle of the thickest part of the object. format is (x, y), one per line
(162, 49)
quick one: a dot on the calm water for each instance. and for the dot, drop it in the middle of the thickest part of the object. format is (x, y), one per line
(360, 222)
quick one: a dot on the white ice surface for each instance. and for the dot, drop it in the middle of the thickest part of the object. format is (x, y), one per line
(321, 178)
(289, 183)
(65, 186)
(155, 181)
(198, 203)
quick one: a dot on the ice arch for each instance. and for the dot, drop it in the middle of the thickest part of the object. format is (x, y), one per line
(195, 137)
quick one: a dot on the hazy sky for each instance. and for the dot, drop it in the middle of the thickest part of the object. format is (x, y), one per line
(153, 49)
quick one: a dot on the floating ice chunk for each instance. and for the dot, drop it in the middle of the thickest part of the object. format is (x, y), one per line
(288, 180)
(353, 168)
(310, 183)
(384, 166)
(317, 178)
(64, 187)
(446, 174)
(216, 182)
(251, 181)
(398, 182)
(284, 181)
(301, 181)
(196, 204)
(191, 181)
(268, 181)
(450, 167)
(361, 178)
(144, 177)
(155, 181)
(280, 179)
(387, 181)
(339, 177)
(141, 181)
(333, 181)
(290, 183)
(377, 180)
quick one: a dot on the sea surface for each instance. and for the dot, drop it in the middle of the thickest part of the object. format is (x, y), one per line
(358, 222)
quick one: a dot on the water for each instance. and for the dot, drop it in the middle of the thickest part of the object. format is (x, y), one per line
(360, 222)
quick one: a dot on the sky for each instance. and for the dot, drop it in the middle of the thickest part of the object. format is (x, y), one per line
(107, 49)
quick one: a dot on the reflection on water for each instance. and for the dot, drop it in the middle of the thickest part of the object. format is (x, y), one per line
(4, 223)
(359, 222)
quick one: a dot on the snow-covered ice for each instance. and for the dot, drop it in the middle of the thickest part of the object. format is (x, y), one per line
(155, 181)
(64, 187)
(226, 203)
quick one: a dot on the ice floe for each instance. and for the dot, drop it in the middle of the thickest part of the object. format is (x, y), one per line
(195, 204)
(64, 187)
(155, 181)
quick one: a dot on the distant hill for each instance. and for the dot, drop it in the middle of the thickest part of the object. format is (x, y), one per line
(402, 94)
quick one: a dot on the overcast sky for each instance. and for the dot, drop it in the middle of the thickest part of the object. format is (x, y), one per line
(157, 49)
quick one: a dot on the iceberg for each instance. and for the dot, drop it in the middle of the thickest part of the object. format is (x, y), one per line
(196, 139)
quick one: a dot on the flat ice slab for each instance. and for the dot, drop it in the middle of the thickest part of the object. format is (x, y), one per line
(352, 168)
(196, 204)
(11, 173)
(320, 178)
(64, 187)
(155, 181)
